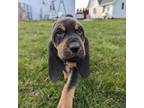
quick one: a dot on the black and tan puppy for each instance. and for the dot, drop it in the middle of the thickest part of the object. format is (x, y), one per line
(68, 54)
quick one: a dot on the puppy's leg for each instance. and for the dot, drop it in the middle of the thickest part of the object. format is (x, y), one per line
(65, 75)
(66, 99)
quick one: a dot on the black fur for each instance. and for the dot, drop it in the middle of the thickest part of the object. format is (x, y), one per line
(73, 79)
(56, 66)
(68, 15)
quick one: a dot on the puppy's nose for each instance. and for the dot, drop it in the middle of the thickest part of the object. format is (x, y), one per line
(74, 47)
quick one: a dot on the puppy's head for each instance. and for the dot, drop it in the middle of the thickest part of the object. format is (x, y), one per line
(68, 44)
(68, 38)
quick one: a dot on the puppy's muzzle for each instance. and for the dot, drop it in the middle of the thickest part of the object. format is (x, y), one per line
(74, 50)
(74, 47)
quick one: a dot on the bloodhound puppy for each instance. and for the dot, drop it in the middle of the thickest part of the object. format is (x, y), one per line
(68, 54)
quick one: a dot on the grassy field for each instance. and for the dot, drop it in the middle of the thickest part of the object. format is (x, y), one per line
(104, 88)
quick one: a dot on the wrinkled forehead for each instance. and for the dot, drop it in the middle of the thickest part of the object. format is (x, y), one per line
(67, 23)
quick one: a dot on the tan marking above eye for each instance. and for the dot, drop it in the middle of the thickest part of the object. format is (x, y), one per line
(61, 26)
(77, 26)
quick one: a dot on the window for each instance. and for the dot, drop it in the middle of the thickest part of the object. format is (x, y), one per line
(122, 6)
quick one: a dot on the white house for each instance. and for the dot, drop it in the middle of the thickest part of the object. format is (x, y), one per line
(48, 9)
(107, 8)
(95, 10)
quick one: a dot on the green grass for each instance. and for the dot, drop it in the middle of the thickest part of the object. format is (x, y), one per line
(104, 88)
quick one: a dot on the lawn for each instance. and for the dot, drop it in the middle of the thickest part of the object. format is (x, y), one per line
(104, 88)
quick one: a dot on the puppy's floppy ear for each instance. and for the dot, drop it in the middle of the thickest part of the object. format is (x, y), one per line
(56, 66)
(83, 65)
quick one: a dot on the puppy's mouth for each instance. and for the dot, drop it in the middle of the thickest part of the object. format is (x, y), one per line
(71, 59)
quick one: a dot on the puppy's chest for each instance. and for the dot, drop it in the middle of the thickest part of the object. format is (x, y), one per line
(69, 66)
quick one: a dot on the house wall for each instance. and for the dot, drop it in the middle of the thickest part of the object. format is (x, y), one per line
(70, 7)
(109, 10)
(99, 11)
(94, 6)
(117, 11)
(92, 15)
(39, 10)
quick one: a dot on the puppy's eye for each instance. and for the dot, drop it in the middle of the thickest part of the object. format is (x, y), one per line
(60, 34)
(79, 31)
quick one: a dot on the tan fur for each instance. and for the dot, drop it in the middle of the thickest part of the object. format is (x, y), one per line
(65, 75)
(69, 66)
(66, 99)
(61, 48)
(62, 27)
(77, 25)
(82, 44)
